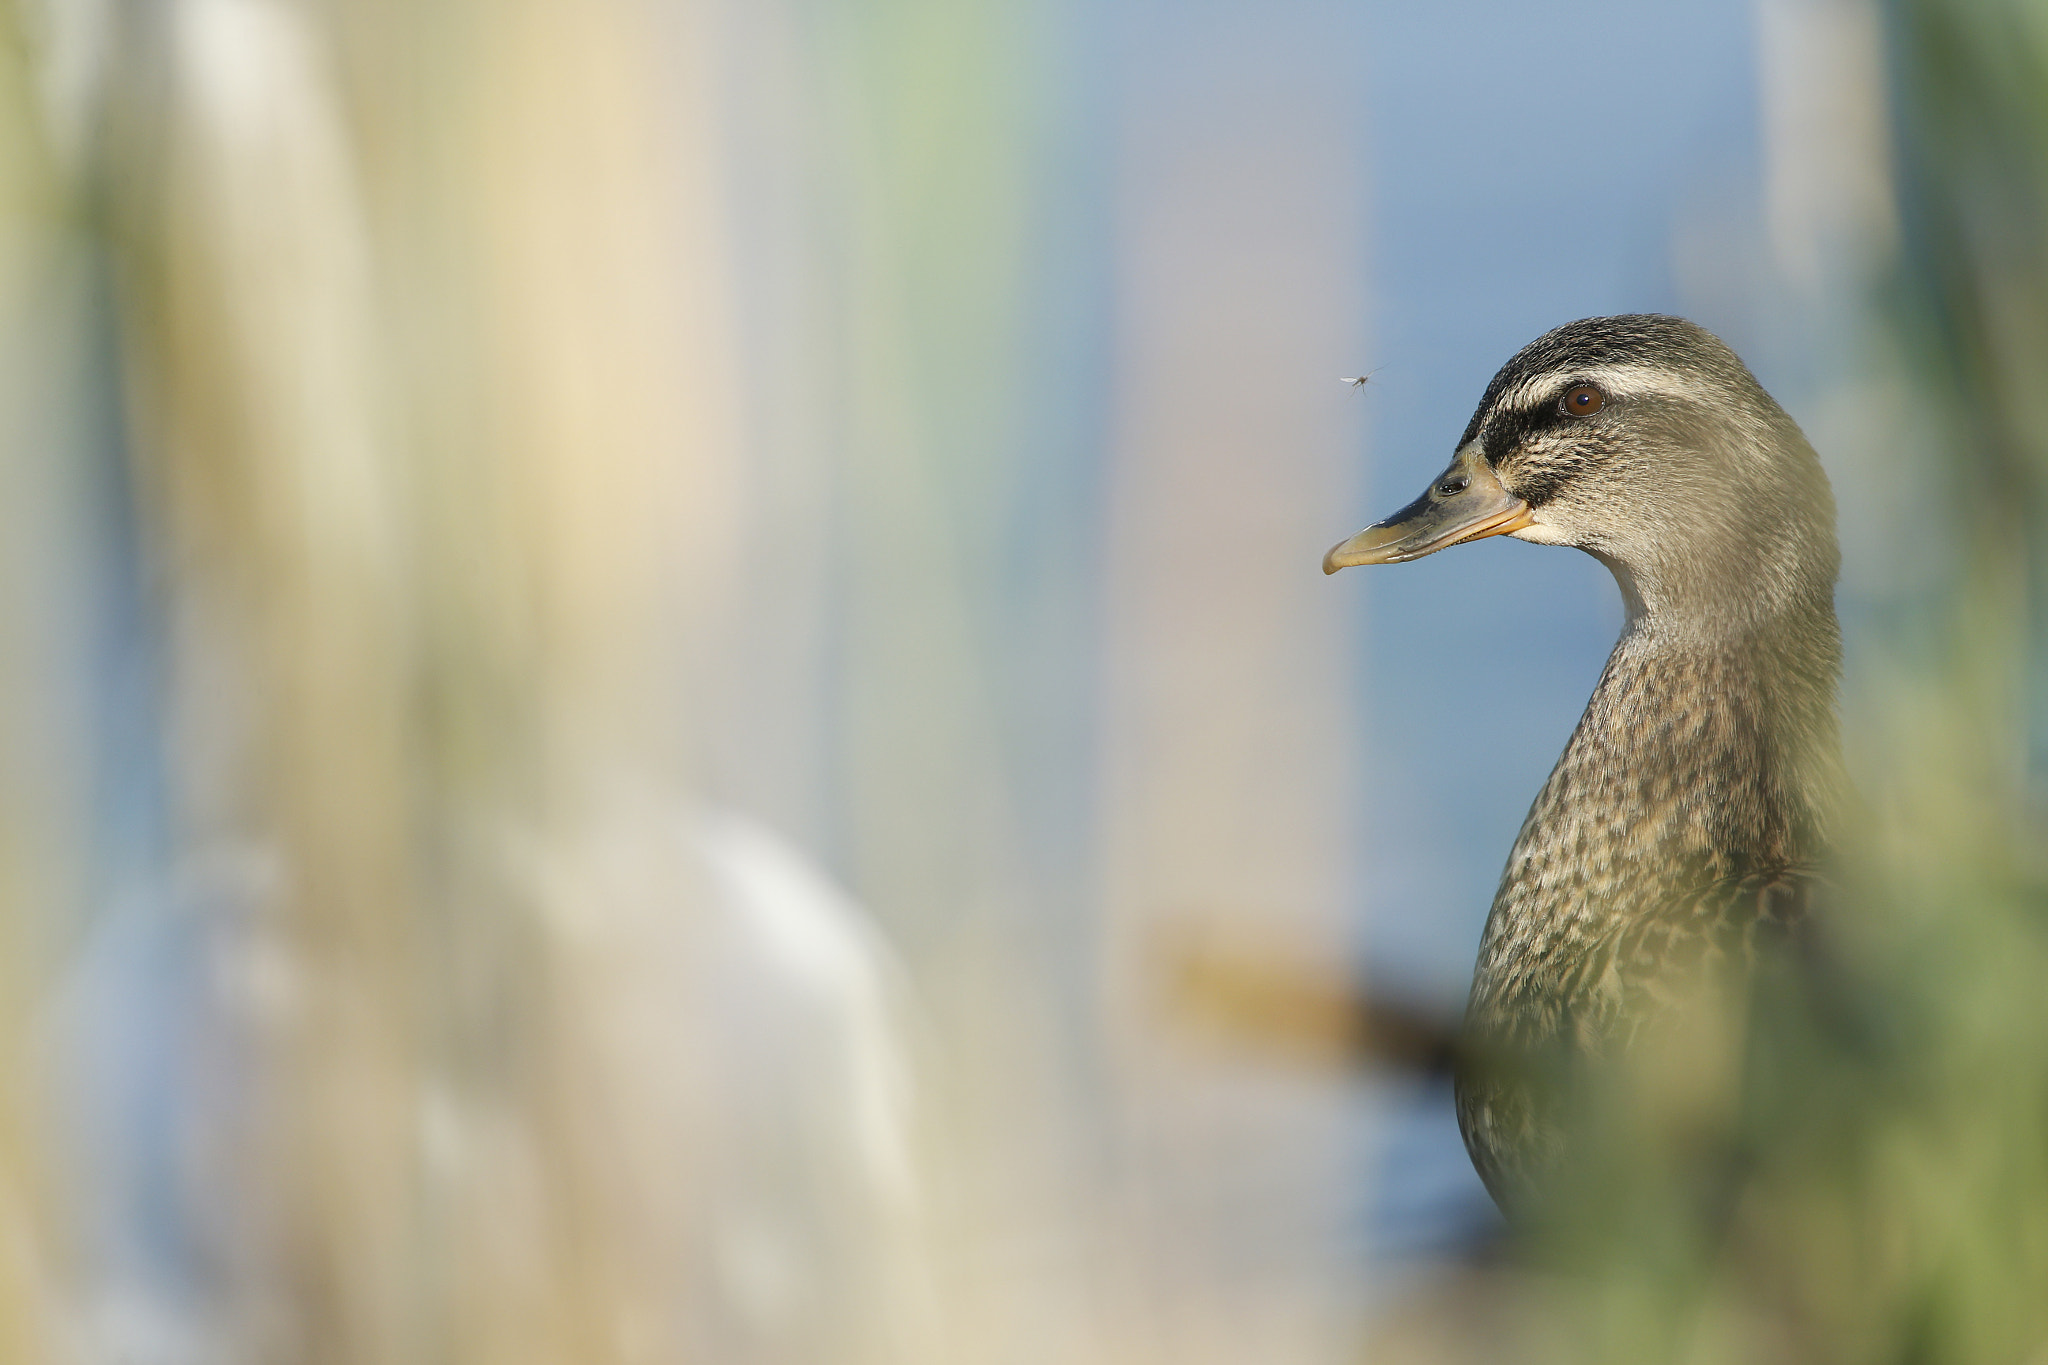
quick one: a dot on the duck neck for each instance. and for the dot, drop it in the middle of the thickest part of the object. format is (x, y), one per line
(1705, 752)
(1723, 743)
(1723, 686)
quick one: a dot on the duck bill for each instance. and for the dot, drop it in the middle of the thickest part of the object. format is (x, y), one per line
(1436, 521)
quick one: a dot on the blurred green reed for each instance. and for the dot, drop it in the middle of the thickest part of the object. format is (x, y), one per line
(43, 781)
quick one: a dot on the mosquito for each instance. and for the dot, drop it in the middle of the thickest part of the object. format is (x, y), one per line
(1359, 381)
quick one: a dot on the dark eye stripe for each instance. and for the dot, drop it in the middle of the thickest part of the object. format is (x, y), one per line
(1537, 484)
(1508, 430)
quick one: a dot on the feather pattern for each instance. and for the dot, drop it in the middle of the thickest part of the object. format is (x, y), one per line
(1677, 838)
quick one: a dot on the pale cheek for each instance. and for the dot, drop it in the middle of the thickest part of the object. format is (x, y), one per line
(1542, 532)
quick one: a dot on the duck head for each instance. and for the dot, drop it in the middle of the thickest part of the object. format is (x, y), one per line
(1644, 441)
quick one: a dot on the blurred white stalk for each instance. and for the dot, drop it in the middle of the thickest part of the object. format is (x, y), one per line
(1827, 174)
(1231, 753)
(435, 451)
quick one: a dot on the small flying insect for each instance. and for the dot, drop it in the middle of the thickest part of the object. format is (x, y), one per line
(1359, 381)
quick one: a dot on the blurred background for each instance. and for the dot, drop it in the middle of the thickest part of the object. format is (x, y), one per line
(667, 693)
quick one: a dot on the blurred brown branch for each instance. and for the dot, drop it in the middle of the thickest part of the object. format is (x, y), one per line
(1257, 994)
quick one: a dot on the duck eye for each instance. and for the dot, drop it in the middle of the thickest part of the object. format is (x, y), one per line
(1583, 401)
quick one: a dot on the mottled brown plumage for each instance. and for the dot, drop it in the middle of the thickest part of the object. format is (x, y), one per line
(1676, 836)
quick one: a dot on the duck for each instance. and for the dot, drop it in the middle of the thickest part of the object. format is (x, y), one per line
(1683, 835)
